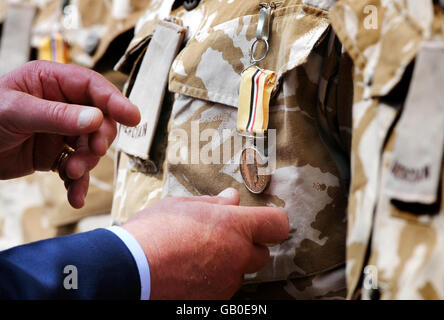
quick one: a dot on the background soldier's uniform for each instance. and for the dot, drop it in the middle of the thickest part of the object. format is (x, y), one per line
(403, 240)
(3, 5)
(308, 111)
(97, 39)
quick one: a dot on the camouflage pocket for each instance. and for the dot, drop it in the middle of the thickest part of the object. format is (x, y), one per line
(210, 65)
(306, 184)
(204, 81)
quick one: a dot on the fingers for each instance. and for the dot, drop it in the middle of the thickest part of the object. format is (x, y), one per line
(259, 257)
(28, 114)
(82, 160)
(100, 140)
(73, 84)
(77, 168)
(266, 225)
(227, 197)
(77, 191)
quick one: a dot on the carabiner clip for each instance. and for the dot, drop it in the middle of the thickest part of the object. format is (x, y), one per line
(263, 29)
(263, 26)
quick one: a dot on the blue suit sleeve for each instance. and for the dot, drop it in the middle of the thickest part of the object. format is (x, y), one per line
(104, 269)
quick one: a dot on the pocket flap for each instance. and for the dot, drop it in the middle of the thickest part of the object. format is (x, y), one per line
(210, 65)
(381, 39)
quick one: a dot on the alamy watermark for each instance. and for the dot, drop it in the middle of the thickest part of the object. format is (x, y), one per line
(71, 281)
(213, 147)
(371, 19)
(370, 278)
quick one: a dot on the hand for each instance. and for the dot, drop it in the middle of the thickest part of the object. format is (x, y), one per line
(200, 248)
(44, 106)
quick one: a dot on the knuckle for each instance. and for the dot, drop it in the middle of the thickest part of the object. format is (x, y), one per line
(10, 101)
(35, 67)
(32, 65)
(58, 112)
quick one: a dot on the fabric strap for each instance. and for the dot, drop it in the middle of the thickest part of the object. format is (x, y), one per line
(54, 48)
(15, 44)
(149, 88)
(254, 100)
(417, 164)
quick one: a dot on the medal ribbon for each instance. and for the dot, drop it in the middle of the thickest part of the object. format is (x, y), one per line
(54, 48)
(254, 100)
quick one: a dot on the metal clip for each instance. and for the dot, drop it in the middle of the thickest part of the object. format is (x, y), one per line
(263, 26)
(263, 29)
(273, 4)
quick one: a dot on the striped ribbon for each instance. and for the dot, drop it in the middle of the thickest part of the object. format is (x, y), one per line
(54, 48)
(254, 100)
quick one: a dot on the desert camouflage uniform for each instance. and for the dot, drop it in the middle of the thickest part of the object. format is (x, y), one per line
(97, 40)
(3, 5)
(309, 112)
(402, 242)
(93, 33)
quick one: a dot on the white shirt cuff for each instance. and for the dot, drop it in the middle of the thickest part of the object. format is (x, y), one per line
(140, 258)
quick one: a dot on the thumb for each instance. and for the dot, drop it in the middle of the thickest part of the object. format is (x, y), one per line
(229, 196)
(31, 114)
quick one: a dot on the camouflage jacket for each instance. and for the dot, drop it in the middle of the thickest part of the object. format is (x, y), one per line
(89, 26)
(394, 249)
(81, 22)
(46, 212)
(3, 6)
(309, 112)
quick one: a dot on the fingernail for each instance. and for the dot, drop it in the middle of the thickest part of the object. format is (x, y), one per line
(228, 193)
(86, 117)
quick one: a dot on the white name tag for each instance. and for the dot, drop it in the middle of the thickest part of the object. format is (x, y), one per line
(149, 88)
(16, 37)
(416, 170)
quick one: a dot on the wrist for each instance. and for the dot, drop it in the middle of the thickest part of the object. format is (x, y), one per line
(148, 244)
(139, 257)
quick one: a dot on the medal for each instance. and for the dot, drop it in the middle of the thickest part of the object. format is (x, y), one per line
(253, 110)
(252, 162)
(54, 48)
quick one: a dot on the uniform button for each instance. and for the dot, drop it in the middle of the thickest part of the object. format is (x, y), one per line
(190, 4)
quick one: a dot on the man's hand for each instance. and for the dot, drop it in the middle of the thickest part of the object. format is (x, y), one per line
(45, 105)
(200, 248)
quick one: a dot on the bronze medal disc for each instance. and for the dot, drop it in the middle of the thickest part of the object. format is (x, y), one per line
(251, 161)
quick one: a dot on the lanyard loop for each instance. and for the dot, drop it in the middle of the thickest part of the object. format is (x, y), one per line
(263, 30)
(263, 25)
(253, 60)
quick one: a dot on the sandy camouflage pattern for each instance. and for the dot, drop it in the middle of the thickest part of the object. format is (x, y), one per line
(86, 24)
(310, 182)
(46, 212)
(93, 16)
(3, 9)
(404, 242)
